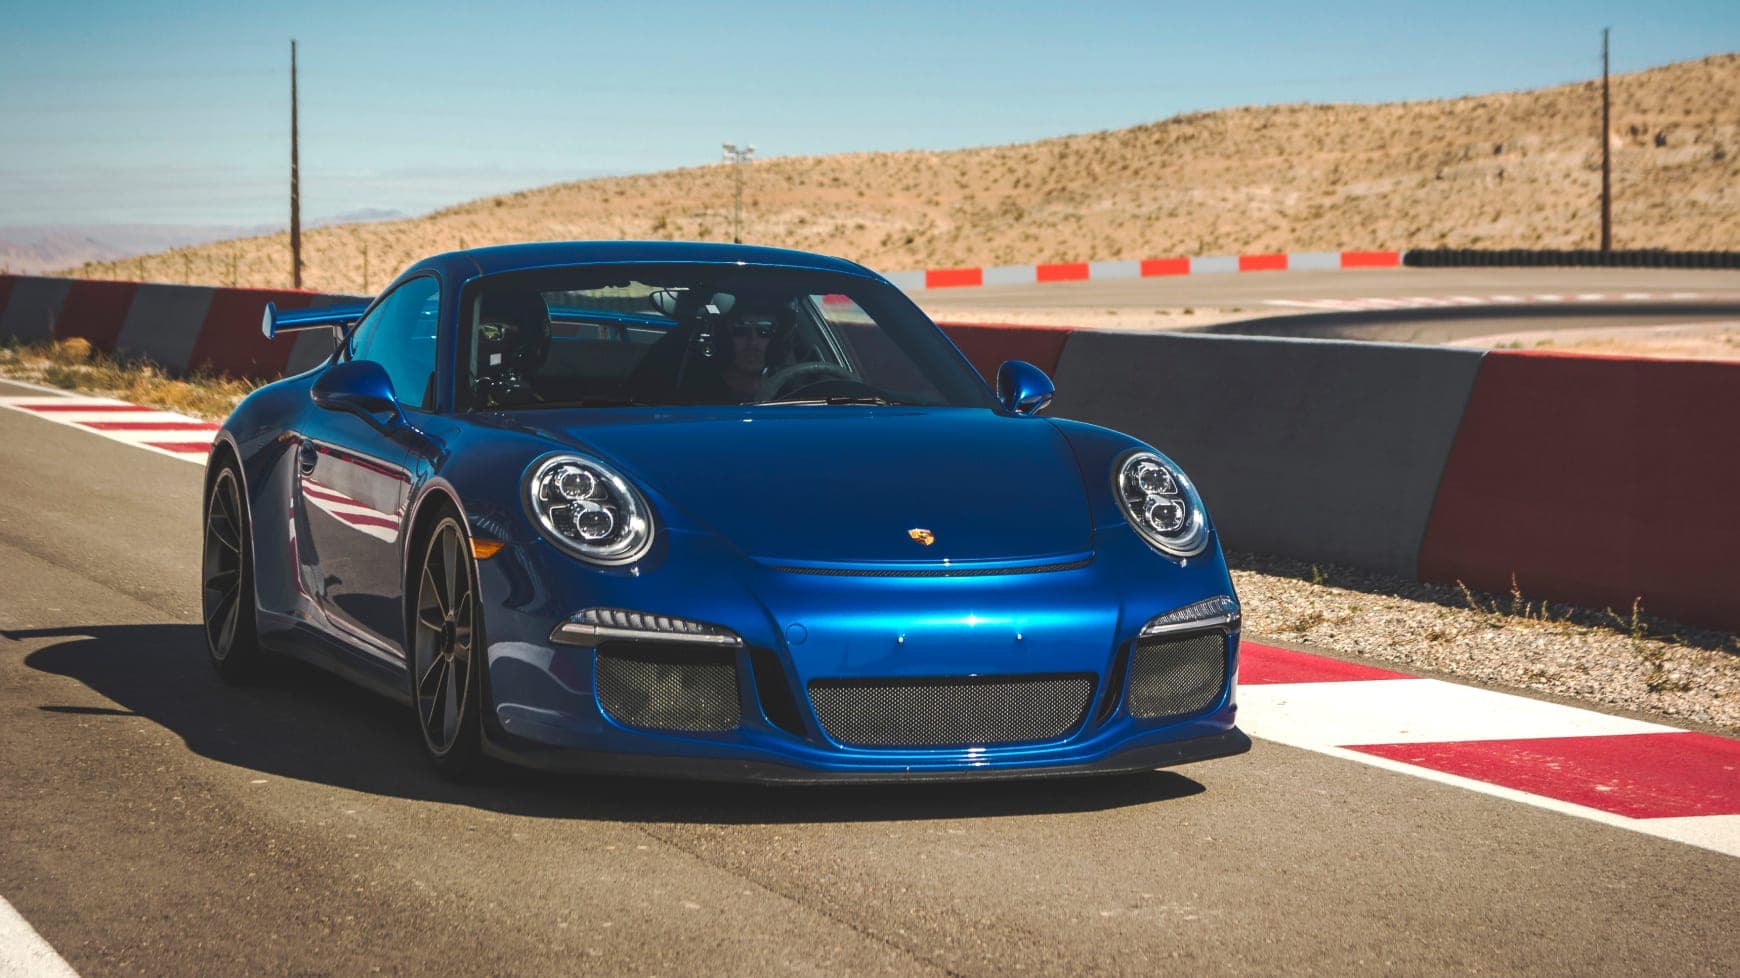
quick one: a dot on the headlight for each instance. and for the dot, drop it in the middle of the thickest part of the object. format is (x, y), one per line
(587, 509)
(1161, 504)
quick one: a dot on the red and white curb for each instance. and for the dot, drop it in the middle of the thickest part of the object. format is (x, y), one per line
(1486, 301)
(163, 432)
(976, 276)
(1646, 777)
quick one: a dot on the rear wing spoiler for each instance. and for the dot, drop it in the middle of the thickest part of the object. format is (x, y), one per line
(333, 317)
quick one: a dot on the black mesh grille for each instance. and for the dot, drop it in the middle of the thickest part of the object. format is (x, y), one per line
(685, 688)
(963, 712)
(1173, 677)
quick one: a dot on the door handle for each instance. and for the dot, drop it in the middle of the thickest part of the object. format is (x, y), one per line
(307, 457)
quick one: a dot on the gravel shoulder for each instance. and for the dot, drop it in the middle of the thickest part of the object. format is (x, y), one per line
(1623, 659)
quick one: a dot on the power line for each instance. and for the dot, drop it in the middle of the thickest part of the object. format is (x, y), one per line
(738, 157)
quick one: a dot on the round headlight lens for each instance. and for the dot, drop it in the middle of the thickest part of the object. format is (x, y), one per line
(586, 508)
(1159, 501)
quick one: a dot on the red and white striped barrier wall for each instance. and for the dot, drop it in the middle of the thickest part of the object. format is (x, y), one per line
(1588, 480)
(182, 327)
(1592, 480)
(954, 278)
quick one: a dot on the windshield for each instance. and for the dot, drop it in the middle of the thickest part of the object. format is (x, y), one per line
(681, 334)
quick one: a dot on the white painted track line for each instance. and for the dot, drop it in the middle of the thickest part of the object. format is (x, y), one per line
(163, 432)
(1413, 711)
(23, 952)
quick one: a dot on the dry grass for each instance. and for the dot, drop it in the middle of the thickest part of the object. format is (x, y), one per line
(1506, 170)
(73, 365)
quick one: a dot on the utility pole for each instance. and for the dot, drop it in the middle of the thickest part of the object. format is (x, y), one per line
(295, 184)
(738, 157)
(1606, 153)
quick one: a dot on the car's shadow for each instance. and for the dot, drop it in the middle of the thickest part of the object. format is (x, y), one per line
(299, 722)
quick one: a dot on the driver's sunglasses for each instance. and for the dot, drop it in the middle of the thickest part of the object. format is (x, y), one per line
(763, 330)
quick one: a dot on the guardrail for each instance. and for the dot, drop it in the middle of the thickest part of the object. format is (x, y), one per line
(1592, 480)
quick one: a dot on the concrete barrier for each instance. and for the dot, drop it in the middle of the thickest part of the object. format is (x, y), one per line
(987, 345)
(95, 311)
(181, 327)
(32, 307)
(163, 322)
(1593, 480)
(1596, 480)
(1315, 449)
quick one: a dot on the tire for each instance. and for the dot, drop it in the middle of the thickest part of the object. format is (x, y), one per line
(444, 631)
(232, 640)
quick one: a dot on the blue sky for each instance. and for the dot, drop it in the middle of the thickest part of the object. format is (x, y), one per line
(156, 112)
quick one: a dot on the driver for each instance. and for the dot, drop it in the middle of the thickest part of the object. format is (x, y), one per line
(750, 333)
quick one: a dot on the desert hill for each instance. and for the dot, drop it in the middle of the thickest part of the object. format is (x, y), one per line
(1506, 170)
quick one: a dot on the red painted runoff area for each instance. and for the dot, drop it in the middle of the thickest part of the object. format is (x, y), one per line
(1165, 266)
(1063, 272)
(94, 311)
(1264, 664)
(949, 278)
(1652, 775)
(183, 447)
(987, 345)
(1371, 259)
(1595, 480)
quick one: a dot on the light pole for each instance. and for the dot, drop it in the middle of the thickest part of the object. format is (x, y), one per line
(1606, 154)
(738, 157)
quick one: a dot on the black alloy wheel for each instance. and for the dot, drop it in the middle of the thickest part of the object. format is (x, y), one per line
(445, 649)
(227, 581)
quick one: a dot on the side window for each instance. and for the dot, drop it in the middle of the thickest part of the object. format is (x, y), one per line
(400, 336)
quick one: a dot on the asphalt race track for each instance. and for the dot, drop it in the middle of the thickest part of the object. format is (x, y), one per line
(158, 822)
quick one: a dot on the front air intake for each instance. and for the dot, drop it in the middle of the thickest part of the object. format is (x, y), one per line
(683, 688)
(956, 712)
(1177, 676)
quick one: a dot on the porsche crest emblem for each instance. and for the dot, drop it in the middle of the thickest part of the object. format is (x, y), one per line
(922, 536)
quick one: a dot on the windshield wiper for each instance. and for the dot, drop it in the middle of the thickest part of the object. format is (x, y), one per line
(840, 399)
(601, 400)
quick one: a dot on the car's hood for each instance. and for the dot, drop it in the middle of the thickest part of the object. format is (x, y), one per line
(846, 484)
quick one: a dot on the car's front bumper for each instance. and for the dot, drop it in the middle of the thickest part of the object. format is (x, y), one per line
(798, 628)
(1168, 753)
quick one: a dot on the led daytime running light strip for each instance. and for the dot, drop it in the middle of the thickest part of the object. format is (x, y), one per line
(595, 625)
(1221, 610)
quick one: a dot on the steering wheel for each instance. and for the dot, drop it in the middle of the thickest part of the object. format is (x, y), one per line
(810, 372)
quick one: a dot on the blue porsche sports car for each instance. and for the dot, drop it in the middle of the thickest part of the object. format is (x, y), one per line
(712, 511)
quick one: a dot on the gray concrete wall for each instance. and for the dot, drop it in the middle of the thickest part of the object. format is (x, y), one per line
(1315, 449)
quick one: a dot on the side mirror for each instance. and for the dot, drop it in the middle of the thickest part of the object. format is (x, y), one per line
(358, 386)
(1023, 388)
